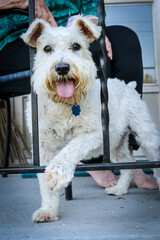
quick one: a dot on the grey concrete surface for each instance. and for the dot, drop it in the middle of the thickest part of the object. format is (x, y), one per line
(91, 215)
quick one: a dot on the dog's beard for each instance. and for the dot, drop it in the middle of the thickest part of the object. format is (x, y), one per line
(52, 81)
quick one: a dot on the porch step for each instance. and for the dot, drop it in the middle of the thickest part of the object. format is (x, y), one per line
(91, 215)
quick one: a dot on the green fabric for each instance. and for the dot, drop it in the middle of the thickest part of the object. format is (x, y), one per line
(12, 26)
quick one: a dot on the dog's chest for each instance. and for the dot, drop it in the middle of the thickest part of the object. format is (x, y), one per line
(63, 132)
(57, 122)
(58, 126)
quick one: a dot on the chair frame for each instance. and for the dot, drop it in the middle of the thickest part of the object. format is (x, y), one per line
(105, 165)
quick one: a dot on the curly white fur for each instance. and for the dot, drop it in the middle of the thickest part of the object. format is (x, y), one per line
(66, 139)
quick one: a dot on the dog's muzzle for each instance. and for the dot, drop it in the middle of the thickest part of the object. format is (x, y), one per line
(64, 83)
(65, 87)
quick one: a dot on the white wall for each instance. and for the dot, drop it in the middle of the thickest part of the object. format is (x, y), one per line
(156, 32)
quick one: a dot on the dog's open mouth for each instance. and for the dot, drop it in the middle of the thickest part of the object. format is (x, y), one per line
(65, 88)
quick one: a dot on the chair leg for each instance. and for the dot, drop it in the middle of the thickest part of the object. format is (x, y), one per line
(8, 135)
(68, 192)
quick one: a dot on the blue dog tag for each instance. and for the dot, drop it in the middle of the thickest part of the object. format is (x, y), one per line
(76, 110)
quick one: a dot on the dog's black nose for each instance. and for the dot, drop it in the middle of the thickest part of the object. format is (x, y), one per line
(62, 68)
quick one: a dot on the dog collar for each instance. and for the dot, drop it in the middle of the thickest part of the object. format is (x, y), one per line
(74, 108)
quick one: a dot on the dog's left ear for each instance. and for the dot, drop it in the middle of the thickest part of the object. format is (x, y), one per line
(34, 32)
(88, 28)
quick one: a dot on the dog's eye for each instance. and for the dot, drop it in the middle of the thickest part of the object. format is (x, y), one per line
(47, 49)
(76, 47)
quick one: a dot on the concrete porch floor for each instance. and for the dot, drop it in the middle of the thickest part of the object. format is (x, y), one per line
(91, 215)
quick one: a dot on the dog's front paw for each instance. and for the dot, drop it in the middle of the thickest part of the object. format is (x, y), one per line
(115, 190)
(44, 215)
(58, 176)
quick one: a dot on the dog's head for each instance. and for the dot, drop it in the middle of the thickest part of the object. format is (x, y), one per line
(63, 65)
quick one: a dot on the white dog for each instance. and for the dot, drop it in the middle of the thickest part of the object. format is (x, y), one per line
(70, 111)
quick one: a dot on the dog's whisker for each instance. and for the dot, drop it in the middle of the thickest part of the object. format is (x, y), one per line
(75, 100)
(84, 95)
(69, 100)
(53, 98)
(77, 85)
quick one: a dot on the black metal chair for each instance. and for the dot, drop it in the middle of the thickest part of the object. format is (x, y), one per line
(12, 85)
(16, 84)
(105, 165)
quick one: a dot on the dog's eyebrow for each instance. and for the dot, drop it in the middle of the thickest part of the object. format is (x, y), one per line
(49, 39)
(46, 37)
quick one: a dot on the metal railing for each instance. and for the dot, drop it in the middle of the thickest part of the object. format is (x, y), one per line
(105, 165)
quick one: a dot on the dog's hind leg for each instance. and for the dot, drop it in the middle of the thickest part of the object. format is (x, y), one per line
(157, 175)
(121, 154)
(122, 185)
(50, 202)
(146, 134)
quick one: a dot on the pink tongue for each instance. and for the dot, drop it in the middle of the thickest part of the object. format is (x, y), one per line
(65, 89)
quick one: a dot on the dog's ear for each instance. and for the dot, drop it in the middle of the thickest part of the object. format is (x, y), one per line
(88, 28)
(34, 32)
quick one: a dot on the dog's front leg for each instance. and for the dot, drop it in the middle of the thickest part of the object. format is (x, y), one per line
(50, 202)
(50, 199)
(60, 170)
